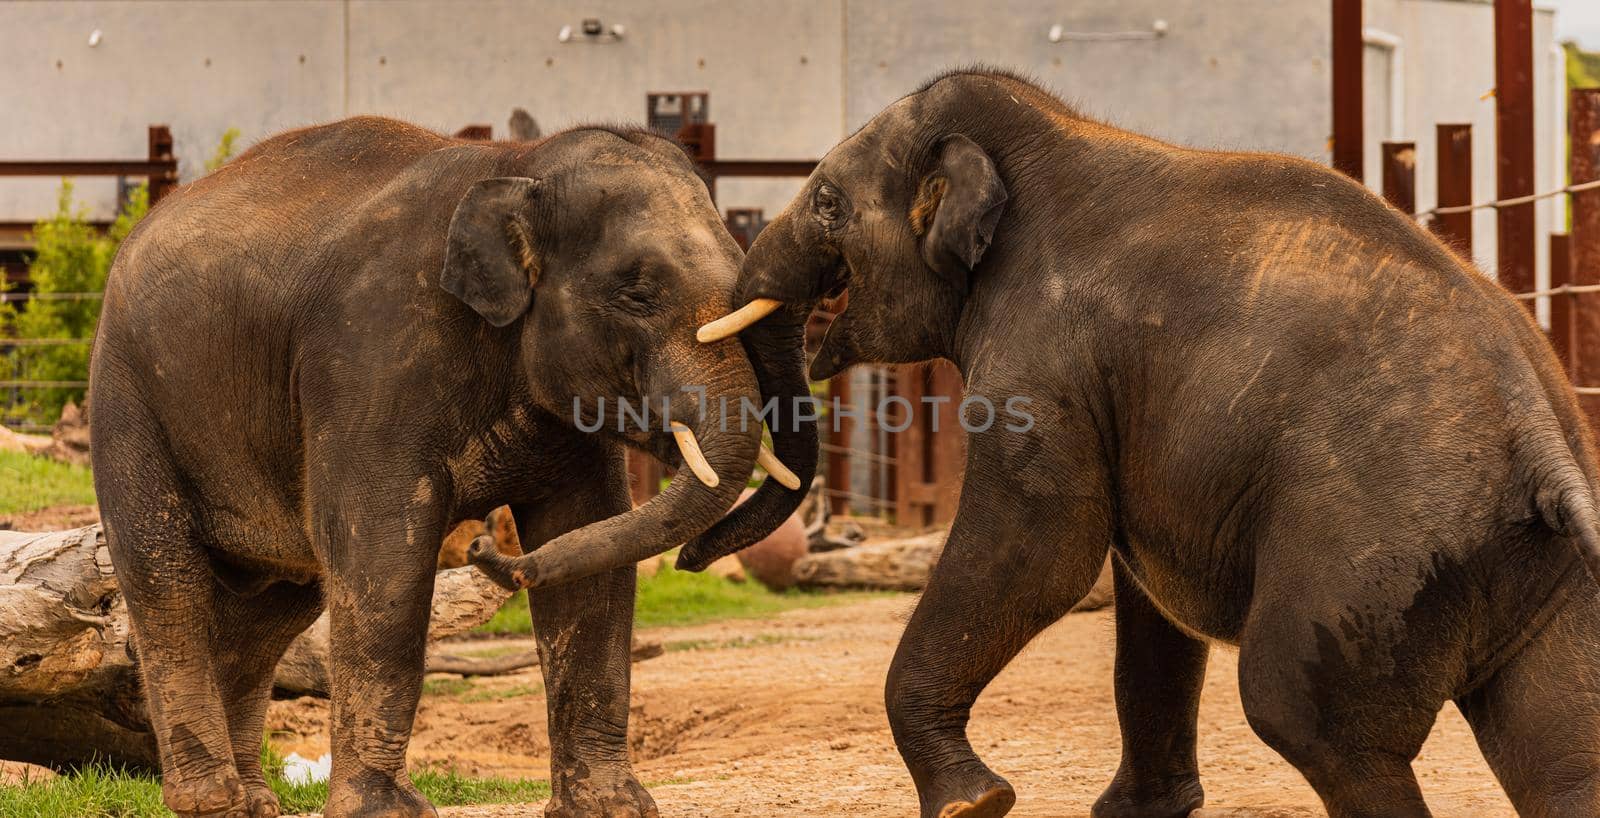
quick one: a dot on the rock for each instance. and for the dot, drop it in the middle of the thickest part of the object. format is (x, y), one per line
(771, 561)
(17, 773)
(69, 440)
(903, 564)
(729, 568)
(453, 553)
(1102, 594)
(23, 444)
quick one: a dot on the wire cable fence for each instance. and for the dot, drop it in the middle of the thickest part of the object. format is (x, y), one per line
(1500, 204)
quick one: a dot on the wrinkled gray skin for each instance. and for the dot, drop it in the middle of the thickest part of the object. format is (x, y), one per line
(1299, 423)
(314, 362)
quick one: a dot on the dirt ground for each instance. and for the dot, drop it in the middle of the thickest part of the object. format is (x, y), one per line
(784, 717)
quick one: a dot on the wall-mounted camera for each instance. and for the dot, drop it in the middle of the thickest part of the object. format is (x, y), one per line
(591, 30)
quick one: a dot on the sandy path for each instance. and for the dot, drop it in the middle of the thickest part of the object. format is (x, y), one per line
(784, 717)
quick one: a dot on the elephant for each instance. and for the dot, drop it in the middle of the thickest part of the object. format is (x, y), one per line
(1302, 426)
(313, 362)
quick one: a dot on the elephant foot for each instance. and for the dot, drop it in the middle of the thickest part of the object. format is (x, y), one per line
(619, 796)
(374, 796)
(220, 795)
(1173, 798)
(992, 803)
(963, 790)
(259, 802)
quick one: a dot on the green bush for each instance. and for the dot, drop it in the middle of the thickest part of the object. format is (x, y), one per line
(70, 256)
(1583, 67)
(224, 150)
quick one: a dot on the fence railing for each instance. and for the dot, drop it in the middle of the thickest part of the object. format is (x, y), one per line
(1573, 308)
(159, 168)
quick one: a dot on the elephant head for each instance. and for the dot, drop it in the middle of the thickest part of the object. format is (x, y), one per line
(899, 215)
(605, 246)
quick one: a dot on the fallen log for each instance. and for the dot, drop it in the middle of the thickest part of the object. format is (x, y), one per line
(463, 598)
(513, 663)
(69, 685)
(903, 564)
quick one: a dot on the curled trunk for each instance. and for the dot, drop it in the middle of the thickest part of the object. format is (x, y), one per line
(776, 348)
(687, 507)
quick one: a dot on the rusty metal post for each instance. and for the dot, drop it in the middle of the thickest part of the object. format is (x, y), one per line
(840, 430)
(1400, 175)
(644, 476)
(1455, 187)
(1561, 305)
(949, 442)
(163, 181)
(1513, 119)
(1349, 130)
(1584, 134)
(911, 483)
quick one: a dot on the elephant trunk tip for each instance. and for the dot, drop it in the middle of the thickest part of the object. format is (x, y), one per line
(504, 571)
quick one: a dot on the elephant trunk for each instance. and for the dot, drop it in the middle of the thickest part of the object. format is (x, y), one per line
(775, 301)
(776, 348)
(688, 506)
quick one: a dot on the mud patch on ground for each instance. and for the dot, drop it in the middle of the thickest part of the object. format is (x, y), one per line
(783, 717)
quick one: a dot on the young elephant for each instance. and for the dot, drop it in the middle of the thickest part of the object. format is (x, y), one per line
(316, 360)
(1302, 426)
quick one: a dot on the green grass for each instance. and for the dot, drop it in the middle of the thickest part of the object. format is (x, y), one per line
(451, 686)
(673, 597)
(735, 643)
(102, 792)
(466, 690)
(95, 792)
(29, 483)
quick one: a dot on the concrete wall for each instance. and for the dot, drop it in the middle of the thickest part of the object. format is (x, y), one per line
(200, 67)
(1447, 51)
(1235, 73)
(787, 80)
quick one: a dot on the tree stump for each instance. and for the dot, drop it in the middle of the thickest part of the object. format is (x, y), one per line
(904, 565)
(69, 685)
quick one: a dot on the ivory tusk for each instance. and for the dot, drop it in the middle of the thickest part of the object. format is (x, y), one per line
(769, 461)
(735, 322)
(692, 456)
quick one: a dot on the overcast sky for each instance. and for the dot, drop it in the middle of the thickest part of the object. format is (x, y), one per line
(1578, 20)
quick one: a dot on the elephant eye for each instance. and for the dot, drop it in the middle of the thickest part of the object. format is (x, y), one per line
(636, 295)
(829, 207)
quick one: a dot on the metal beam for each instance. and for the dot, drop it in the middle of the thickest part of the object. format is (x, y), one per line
(1513, 78)
(1349, 129)
(1455, 187)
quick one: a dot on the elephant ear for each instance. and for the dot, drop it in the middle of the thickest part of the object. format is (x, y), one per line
(491, 259)
(956, 208)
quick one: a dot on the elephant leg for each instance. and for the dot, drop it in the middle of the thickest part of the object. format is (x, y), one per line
(1159, 673)
(251, 636)
(379, 585)
(1537, 719)
(1017, 559)
(164, 574)
(584, 631)
(1314, 693)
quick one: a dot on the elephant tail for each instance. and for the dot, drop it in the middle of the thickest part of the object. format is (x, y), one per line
(1572, 514)
(1561, 491)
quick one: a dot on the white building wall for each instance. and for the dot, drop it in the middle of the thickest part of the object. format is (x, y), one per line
(787, 80)
(1448, 54)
